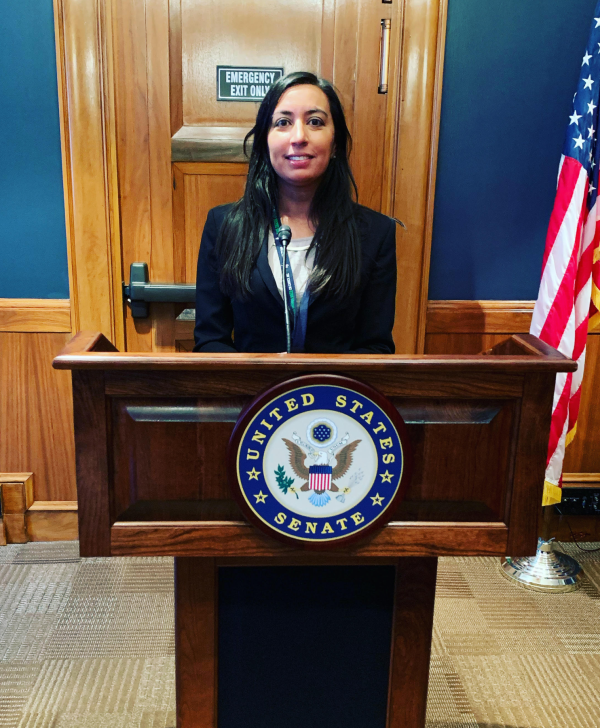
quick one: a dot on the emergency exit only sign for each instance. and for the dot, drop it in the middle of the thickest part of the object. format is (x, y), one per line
(245, 83)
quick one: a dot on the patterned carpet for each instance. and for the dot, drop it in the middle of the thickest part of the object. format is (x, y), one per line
(89, 644)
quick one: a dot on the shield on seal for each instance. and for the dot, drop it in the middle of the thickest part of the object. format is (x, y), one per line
(319, 477)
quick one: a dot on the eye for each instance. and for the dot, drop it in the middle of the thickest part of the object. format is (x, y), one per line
(316, 121)
(281, 122)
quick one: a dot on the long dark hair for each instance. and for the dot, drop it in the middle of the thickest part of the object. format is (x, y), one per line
(332, 211)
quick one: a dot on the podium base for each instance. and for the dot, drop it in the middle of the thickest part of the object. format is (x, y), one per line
(548, 571)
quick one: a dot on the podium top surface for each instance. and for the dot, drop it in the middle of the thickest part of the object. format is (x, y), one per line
(519, 353)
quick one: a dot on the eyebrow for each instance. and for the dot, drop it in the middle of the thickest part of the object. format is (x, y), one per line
(310, 111)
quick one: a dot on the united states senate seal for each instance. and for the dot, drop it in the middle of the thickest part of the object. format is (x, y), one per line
(319, 460)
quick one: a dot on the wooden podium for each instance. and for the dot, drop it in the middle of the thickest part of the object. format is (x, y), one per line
(151, 433)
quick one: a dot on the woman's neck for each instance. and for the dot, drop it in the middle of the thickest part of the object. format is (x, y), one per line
(294, 209)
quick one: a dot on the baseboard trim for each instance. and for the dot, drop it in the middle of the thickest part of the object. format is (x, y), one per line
(52, 521)
(35, 315)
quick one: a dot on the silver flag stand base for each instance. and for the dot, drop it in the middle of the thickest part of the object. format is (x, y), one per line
(548, 571)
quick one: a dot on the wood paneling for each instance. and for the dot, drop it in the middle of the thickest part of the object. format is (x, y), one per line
(36, 422)
(15, 529)
(442, 344)
(21, 315)
(157, 459)
(87, 137)
(581, 480)
(575, 528)
(419, 89)
(143, 114)
(209, 144)
(477, 317)
(197, 187)
(583, 454)
(204, 187)
(530, 463)
(227, 32)
(372, 111)
(196, 612)
(411, 642)
(186, 384)
(91, 424)
(468, 327)
(175, 66)
(437, 84)
(405, 539)
(159, 144)
(52, 521)
(133, 142)
(36, 415)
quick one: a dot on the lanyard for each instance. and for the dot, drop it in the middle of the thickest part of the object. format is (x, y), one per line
(300, 312)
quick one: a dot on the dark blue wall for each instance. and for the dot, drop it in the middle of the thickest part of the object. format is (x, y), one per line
(33, 249)
(511, 69)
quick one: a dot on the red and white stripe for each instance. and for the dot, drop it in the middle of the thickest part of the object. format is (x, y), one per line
(562, 310)
(319, 481)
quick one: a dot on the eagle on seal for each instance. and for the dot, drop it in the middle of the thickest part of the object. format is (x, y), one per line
(343, 462)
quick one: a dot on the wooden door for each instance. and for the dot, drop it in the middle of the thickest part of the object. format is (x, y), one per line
(171, 151)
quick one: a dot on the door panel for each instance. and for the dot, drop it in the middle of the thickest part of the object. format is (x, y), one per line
(283, 33)
(142, 109)
(197, 187)
(371, 110)
(164, 203)
(148, 97)
(204, 187)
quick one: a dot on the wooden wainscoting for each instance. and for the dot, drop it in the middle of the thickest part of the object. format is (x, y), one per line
(37, 453)
(468, 327)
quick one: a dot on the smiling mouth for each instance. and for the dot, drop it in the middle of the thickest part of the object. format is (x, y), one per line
(298, 157)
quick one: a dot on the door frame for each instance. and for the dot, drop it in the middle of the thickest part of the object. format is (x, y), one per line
(84, 32)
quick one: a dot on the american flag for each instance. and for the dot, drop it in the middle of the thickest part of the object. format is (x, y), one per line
(569, 299)
(319, 477)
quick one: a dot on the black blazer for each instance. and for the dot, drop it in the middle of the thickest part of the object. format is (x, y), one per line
(360, 324)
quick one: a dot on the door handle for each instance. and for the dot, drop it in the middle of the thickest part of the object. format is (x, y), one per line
(140, 292)
(384, 55)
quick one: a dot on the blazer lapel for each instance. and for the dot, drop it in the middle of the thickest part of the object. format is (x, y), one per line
(263, 267)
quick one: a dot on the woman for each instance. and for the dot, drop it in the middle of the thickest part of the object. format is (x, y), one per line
(277, 625)
(342, 255)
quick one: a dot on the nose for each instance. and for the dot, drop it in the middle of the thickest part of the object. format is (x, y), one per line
(298, 135)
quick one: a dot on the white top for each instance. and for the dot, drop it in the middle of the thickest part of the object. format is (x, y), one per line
(300, 263)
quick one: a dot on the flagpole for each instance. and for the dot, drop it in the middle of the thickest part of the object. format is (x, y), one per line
(568, 303)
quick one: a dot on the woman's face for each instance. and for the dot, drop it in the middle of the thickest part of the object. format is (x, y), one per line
(301, 136)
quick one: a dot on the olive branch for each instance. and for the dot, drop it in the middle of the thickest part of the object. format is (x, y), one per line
(284, 482)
